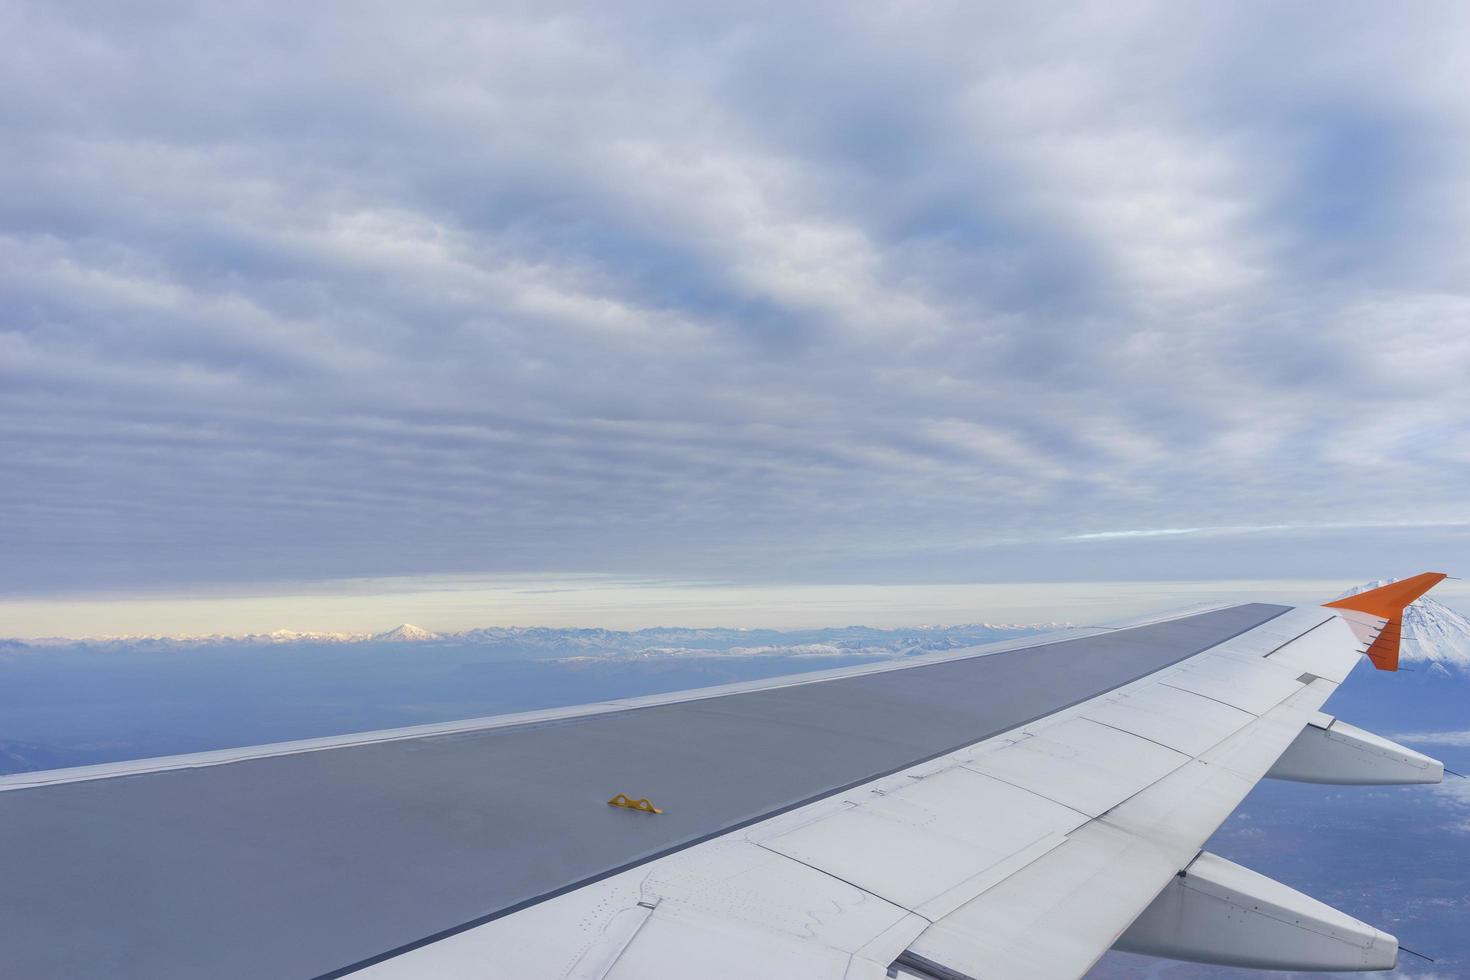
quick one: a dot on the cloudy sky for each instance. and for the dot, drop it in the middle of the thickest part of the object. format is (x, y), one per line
(808, 294)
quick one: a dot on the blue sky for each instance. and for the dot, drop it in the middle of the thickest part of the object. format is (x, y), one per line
(895, 295)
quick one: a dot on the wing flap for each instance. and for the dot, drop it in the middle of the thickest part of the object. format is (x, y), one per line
(1219, 679)
(724, 948)
(1054, 917)
(1080, 763)
(1178, 719)
(923, 846)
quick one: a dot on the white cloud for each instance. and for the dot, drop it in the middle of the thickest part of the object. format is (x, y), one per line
(1436, 738)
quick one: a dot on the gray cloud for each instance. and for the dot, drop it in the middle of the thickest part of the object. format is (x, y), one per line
(821, 293)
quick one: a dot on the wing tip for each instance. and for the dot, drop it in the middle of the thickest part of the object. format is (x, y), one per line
(1388, 602)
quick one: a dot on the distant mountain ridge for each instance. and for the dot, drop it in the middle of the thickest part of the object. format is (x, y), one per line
(536, 642)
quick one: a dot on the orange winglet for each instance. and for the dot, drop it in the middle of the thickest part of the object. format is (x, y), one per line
(1388, 602)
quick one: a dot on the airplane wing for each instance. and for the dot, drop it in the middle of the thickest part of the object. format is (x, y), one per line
(1012, 811)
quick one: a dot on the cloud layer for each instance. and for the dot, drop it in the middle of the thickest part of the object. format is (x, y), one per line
(359, 289)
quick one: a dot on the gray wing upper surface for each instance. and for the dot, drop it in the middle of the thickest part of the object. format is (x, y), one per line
(310, 863)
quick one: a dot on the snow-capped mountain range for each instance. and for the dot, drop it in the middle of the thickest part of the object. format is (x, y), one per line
(1433, 633)
(546, 642)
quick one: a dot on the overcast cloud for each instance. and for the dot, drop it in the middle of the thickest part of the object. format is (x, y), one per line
(893, 292)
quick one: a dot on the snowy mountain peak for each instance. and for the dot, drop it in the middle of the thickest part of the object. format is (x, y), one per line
(1433, 632)
(406, 633)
